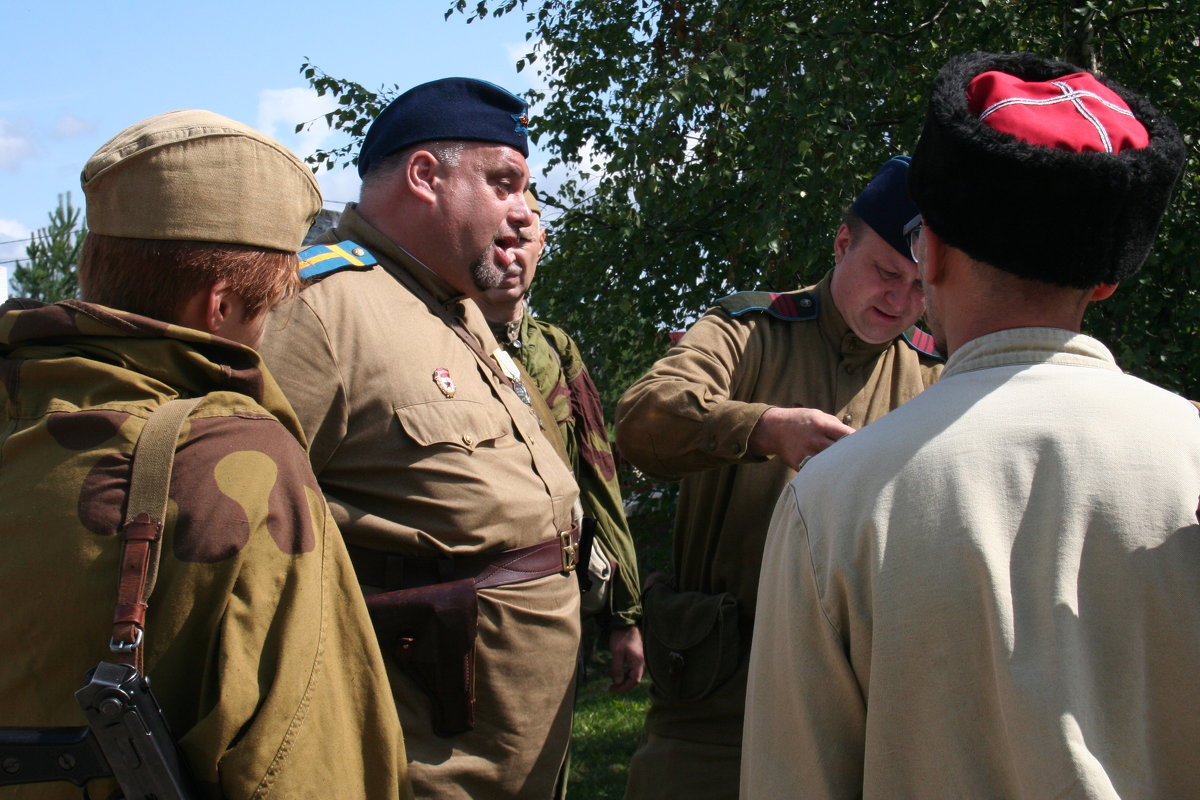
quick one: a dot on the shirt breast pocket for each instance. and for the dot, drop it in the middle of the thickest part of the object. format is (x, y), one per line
(459, 423)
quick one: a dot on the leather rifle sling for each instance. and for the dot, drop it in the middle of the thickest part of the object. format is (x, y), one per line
(141, 532)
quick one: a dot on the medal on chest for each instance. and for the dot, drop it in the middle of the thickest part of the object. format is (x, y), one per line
(510, 370)
(441, 377)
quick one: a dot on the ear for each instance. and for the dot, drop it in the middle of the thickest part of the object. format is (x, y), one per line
(841, 243)
(1102, 292)
(420, 175)
(207, 309)
(932, 267)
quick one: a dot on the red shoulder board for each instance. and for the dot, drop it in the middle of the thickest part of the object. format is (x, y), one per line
(793, 306)
(921, 341)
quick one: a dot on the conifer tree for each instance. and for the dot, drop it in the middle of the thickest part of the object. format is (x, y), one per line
(49, 271)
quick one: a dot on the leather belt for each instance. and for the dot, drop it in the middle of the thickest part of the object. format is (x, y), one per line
(391, 571)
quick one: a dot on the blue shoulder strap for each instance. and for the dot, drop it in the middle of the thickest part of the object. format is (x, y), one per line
(322, 260)
(792, 306)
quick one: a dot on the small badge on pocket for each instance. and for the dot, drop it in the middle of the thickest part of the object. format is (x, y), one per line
(441, 376)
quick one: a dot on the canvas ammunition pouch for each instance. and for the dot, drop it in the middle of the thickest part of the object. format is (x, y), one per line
(692, 641)
(429, 627)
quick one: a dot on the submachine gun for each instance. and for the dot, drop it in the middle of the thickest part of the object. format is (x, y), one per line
(126, 738)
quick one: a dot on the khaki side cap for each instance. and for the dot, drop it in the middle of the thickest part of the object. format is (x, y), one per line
(196, 175)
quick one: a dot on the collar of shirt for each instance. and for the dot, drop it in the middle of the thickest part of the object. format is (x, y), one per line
(1017, 346)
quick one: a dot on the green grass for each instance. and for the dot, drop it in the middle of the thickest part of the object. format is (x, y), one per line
(607, 725)
(605, 734)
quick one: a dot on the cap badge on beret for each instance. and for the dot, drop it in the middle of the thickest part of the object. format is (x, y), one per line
(1075, 112)
(522, 121)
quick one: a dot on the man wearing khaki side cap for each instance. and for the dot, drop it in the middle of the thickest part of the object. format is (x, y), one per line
(255, 636)
(439, 459)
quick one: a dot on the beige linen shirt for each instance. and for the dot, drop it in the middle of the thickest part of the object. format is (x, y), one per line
(421, 450)
(1007, 604)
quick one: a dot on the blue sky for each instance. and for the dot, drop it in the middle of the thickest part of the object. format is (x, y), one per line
(78, 71)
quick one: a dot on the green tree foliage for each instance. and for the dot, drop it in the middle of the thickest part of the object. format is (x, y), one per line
(711, 146)
(49, 273)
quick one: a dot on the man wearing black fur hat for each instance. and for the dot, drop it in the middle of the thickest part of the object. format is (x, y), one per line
(1009, 603)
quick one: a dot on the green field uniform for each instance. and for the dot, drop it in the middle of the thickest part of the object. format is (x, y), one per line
(255, 630)
(422, 451)
(552, 359)
(690, 417)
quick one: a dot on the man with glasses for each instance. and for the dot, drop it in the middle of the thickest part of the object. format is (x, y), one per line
(760, 383)
(1008, 604)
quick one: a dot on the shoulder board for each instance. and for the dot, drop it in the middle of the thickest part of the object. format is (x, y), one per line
(322, 260)
(921, 341)
(792, 306)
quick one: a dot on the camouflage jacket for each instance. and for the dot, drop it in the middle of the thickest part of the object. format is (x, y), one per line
(257, 639)
(552, 359)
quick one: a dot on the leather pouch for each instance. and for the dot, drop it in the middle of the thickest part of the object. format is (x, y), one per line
(692, 641)
(430, 632)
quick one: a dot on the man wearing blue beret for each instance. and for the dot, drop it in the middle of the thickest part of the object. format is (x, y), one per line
(446, 482)
(760, 383)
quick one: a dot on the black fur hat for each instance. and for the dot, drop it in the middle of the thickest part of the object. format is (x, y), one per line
(1074, 219)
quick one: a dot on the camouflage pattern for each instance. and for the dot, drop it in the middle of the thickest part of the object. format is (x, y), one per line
(422, 451)
(256, 628)
(690, 418)
(552, 359)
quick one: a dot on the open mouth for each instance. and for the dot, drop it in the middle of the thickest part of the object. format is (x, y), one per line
(504, 248)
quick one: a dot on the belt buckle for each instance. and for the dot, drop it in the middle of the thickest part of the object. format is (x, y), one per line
(569, 552)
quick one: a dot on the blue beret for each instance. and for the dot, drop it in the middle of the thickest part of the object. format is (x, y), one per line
(885, 204)
(449, 108)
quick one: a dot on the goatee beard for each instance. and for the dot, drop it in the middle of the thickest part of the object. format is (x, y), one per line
(484, 273)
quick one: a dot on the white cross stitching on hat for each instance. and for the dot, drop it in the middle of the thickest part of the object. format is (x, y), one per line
(1073, 96)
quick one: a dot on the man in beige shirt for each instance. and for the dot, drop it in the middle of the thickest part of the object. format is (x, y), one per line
(425, 442)
(762, 381)
(1008, 605)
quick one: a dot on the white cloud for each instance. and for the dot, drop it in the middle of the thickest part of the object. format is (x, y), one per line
(530, 74)
(281, 110)
(15, 145)
(70, 126)
(339, 186)
(13, 240)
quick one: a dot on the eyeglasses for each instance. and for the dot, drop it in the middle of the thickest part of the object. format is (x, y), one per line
(912, 232)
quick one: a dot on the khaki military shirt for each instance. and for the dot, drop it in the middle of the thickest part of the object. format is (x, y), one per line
(257, 641)
(422, 450)
(691, 416)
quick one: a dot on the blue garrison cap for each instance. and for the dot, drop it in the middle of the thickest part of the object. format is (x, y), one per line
(449, 108)
(885, 204)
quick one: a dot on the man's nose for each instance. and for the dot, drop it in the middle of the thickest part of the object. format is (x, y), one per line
(519, 215)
